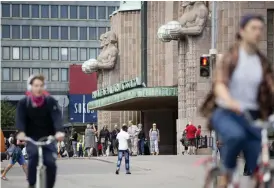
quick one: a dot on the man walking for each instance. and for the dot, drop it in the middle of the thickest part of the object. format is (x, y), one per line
(133, 134)
(74, 138)
(123, 138)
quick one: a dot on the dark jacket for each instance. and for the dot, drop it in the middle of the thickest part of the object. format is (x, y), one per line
(142, 135)
(114, 134)
(104, 133)
(38, 122)
(223, 72)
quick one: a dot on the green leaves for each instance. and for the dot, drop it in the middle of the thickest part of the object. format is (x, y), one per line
(8, 112)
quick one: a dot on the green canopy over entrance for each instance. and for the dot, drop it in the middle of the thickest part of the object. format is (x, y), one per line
(138, 99)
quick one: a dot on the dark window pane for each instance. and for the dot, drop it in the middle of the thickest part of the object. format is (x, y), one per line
(45, 32)
(35, 32)
(45, 11)
(73, 12)
(83, 54)
(110, 10)
(6, 31)
(54, 11)
(83, 33)
(73, 33)
(73, 54)
(6, 53)
(92, 33)
(5, 10)
(54, 32)
(101, 30)
(25, 11)
(35, 11)
(15, 10)
(92, 12)
(64, 33)
(102, 13)
(16, 32)
(108, 29)
(83, 12)
(26, 32)
(64, 11)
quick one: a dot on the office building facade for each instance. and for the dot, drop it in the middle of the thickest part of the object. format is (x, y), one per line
(46, 37)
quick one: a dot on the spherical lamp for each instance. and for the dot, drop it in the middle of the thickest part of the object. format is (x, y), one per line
(163, 35)
(173, 28)
(89, 66)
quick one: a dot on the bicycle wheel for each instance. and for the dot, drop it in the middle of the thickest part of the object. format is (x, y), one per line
(41, 177)
(212, 178)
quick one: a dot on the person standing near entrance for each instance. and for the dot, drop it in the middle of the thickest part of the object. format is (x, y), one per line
(133, 133)
(190, 134)
(154, 137)
(74, 138)
(141, 138)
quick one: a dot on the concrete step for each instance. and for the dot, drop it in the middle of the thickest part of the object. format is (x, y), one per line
(204, 151)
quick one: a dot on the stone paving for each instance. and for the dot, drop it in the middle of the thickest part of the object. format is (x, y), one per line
(147, 171)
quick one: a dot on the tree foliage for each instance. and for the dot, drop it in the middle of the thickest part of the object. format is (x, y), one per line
(8, 111)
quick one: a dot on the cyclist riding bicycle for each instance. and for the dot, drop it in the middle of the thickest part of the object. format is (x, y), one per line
(38, 116)
(243, 81)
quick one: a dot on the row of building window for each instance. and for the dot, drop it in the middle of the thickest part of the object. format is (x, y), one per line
(22, 74)
(52, 32)
(57, 11)
(49, 53)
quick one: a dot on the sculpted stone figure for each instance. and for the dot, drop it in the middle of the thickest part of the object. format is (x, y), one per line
(108, 56)
(192, 22)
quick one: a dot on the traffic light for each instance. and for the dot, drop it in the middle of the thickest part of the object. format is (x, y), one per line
(204, 66)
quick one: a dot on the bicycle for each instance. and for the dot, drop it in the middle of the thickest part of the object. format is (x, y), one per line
(263, 174)
(41, 168)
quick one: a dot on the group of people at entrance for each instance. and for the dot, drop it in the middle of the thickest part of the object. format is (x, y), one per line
(104, 142)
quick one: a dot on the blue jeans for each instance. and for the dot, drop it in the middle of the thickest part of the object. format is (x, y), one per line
(120, 157)
(49, 157)
(142, 146)
(237, 135)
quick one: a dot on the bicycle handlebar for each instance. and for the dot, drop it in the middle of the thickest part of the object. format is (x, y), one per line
(48, 140)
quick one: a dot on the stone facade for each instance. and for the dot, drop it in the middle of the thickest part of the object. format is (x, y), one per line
(176, 63)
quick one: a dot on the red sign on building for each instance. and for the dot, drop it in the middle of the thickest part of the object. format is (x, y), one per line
(81, 83)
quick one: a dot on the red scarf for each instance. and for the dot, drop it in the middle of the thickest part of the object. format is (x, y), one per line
(37, 101)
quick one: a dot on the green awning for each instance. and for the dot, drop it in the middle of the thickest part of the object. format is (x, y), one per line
(138, 99)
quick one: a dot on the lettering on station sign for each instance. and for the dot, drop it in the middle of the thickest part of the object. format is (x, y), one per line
(135, 93)
(116, 88)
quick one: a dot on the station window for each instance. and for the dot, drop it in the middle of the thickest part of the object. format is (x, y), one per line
(83, 54)
(6, 31)
(83, 33)
(92, 12)
(54, 53)
(6, 74)
(45, 53)
(5, 53)
(83, 12)
(64, 54)
(5, 10)
(16, 53)
(92, 53)
(64, 33)
(92, 33)
(54, 11)
(35, 32)
(26, 32)
(45, 32)
(25, 11)
(64, 75)
(35, 11)
(25, 53)
(25, 73)
(45, 72)
(54, 74)
(35, 53)
(64, 11)
(73, 12)
(15, 10)
(15, 32)
(110, 10)
(73, 33)
(54, 32)
(73, 54)
(16, 74)
(102, 13)
(35, 71)
(45, 11)
(101, 30)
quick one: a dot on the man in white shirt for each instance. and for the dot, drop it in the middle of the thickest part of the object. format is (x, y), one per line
(123, 138)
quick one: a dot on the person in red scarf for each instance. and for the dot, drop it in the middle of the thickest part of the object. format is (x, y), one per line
(190, 134)
(38, 116)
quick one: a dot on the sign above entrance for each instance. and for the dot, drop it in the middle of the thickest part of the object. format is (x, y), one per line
(117, 88)
(134, 93)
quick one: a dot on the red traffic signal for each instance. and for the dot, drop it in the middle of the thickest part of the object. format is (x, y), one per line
(204, 66)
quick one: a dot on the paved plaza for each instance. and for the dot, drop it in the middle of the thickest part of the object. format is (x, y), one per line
(147, 171)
